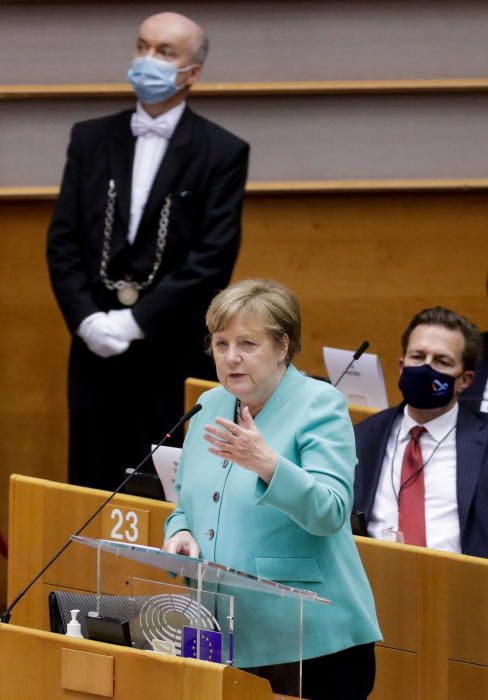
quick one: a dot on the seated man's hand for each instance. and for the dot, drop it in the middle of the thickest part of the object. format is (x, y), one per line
(182, 542)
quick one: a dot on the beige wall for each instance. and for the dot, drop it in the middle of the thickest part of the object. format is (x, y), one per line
(45, 42)
(292, 138)
(438, 135)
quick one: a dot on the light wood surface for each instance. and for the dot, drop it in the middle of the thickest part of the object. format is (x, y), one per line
(291, 187)
(393, 575)
(195, 387)
(432, 606)
(396, 675)
(296, 187)
(253, 89)
(433, 624)
(467, 602)
(361, 264)
(11, 194)
(467, 681)
(43, 514)
(33, 659)
(87, 672)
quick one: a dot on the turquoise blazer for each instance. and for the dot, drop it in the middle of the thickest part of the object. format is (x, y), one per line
(294, 530)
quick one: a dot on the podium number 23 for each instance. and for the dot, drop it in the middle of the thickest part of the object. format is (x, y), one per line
(126, 525)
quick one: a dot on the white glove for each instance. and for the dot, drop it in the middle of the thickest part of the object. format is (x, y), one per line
(96, 333)
(122, 325)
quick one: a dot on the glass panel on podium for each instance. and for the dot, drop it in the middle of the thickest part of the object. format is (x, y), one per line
(205, 610)
(181, 621)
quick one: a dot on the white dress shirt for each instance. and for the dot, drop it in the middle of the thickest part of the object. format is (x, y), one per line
(438, 445)
(149, 153)
(484, 402)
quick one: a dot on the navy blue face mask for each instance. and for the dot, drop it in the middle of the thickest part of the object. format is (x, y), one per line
(425, 387)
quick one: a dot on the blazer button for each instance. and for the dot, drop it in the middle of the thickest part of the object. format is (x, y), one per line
(216, 497)
(211, 534)
(225, 463)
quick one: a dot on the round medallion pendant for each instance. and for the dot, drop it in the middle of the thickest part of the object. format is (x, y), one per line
(128, 295)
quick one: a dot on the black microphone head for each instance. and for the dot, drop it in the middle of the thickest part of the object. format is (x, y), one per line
(189, 414)
(364, 346)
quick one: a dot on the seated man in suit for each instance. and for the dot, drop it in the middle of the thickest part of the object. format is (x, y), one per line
(476, 395)
(423, 466)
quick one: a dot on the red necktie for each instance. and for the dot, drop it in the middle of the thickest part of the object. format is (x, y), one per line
(412, 492)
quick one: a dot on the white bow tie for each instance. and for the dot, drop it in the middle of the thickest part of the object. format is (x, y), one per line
(141, 126)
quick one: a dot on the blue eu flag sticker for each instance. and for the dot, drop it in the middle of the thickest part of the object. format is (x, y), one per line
(210, 644)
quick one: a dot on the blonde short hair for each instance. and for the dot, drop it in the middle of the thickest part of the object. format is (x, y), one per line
(275, 305)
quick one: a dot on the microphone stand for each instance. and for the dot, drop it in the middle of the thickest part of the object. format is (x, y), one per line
(364, 346)
(7, 614)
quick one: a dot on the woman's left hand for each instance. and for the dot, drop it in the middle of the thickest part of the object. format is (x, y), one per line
(242, 444)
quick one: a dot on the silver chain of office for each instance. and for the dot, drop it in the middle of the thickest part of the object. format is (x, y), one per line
(128, 290)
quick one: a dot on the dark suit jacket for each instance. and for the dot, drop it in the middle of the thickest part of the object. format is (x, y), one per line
(119, 406)
(472, 472)
(473, 395)
(204, 169)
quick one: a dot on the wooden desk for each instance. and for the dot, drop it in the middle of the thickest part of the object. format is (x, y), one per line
(64, 667)
(432, 606)
(433, 611)
(42, 516)
(195, 387)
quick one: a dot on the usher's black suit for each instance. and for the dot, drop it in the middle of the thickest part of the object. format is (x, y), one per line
(120, 404)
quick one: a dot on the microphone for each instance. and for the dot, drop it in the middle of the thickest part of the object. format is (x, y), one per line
(364, 346)
(6, 615)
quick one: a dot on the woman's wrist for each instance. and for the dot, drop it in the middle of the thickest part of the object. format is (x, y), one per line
(268, 466)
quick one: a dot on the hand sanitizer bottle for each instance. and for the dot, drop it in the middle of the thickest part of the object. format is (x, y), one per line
(74, 627)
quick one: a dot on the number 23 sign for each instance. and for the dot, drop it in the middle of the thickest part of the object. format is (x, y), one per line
(125, 525)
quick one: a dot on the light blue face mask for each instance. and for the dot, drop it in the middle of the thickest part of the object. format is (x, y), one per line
(154, 80)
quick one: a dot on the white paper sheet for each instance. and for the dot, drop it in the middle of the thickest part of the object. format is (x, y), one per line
(166, 460)
(363, 384)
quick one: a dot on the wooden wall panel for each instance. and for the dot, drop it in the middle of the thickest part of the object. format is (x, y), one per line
(33, 353)
(433, 625)
(33, 350)
(468, 612)
(393, 578)
(467, 681)
(361, 264)
(396, 675)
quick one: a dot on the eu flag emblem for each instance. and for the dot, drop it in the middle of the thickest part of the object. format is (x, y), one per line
(210, 644)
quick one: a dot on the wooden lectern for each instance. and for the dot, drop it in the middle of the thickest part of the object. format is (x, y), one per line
(432, 606)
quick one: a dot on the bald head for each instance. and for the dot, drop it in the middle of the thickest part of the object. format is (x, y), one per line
(180, 34)
(178, 42)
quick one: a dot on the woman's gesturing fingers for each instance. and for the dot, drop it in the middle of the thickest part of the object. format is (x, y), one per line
(242, 444)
